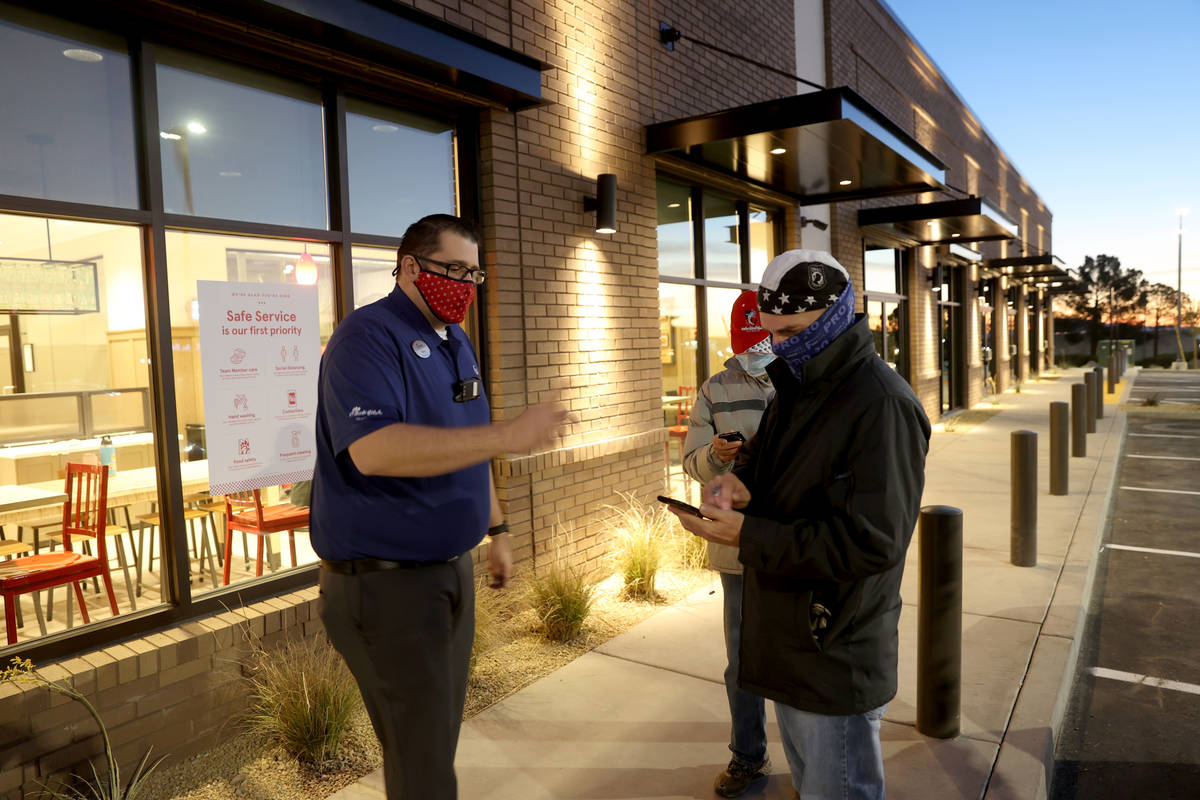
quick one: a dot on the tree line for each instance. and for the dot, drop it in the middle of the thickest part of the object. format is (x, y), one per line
(1105, 293)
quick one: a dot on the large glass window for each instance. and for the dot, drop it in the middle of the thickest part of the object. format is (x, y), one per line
(239, 144)
(401, 168)
(719, 305)
(694, 312)
(764, 232)
(886, 303)
(76, 375)
(67, 128)
(722, 250)
(193, 257)
(675, 246)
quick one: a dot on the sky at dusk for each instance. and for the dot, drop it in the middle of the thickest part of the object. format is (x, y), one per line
(1097, 104)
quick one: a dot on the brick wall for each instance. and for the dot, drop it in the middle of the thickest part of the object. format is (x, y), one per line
(178, 691)
(573, 315)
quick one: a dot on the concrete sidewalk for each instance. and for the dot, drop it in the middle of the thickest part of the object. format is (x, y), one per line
(645, 715)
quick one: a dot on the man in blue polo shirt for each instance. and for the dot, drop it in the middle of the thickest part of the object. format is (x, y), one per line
(403, 491)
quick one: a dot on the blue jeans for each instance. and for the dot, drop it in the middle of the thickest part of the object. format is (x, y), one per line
(833, 758)
(748, 732)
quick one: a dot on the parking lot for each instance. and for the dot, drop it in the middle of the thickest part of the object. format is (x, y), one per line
(1133, 725)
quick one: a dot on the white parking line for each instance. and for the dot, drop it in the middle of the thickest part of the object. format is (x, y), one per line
(1133, 677)
(1166, 435)
(1165, 458)
(1164, 491)
(1154, 550)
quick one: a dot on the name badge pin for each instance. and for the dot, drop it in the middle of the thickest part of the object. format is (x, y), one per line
(421, 349)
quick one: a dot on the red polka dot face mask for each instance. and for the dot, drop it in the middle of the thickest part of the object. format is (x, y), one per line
(447, 298)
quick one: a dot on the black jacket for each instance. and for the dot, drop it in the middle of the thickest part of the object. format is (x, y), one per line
(835, 475)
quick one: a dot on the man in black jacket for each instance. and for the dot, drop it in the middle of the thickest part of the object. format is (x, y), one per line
(822, 513)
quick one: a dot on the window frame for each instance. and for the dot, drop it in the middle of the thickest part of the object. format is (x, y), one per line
(744, 203)
(178, 604)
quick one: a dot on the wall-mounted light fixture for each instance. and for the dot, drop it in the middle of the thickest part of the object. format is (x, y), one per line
(816, 223)
(604, 203)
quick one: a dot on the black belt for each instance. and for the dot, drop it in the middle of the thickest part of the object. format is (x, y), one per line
(361, 565)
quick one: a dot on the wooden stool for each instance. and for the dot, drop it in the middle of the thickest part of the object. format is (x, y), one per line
(190, 515)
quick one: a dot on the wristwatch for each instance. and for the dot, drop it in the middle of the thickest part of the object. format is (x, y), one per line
(496, 530)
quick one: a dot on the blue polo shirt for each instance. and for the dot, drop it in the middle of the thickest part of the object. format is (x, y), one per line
(385, 364)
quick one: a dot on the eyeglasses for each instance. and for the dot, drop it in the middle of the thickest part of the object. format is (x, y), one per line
(455, 272)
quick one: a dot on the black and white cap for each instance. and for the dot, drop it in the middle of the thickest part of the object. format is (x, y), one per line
(801, 280)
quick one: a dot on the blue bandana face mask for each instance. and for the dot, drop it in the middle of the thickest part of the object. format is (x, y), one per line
(801, 348)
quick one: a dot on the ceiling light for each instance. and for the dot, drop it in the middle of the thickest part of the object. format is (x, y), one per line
(170, 136)
(230, 173)
(955, 235)
(196, 127)
(63, 222)
(778, 151)
(385, 128)
(86, 56)
(845, 182)
(672, 205)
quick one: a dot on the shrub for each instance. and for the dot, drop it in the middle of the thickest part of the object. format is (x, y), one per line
(1164, 360)
(561, 596)
(303, 698)
(97, 787)
(1152, 399)
(642, 536)
(691, 551)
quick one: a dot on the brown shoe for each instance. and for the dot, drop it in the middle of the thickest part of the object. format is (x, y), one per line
(737, 778)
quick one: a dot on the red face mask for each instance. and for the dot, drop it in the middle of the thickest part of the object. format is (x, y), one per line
(447, 298)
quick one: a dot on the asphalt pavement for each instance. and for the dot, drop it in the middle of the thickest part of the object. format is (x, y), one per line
(1133, 725)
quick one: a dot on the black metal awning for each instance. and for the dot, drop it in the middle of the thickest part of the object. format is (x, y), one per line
(972, 219)
(1026, 268)
(821, 147)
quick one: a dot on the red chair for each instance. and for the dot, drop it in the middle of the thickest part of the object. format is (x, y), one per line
(679, 430)
(244, 511)
(84, 517)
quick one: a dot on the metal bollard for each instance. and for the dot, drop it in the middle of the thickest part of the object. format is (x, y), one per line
(1022, 543)
(939, 622)
(1060, 426)
(1089, 380)
(1112, 373)
(1099, 392)
(1079, 402)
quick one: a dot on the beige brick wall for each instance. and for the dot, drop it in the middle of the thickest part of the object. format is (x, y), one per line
(572, 315)
(179, 691)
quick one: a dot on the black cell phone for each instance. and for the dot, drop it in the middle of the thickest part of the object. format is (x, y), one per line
(732, 436)
(682, 506)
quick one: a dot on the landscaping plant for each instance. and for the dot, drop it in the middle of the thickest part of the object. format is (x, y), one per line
(303, 698)
(642, 536)
(97, 787)
(561, 596)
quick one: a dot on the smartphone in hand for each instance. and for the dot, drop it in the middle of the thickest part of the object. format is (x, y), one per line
(732, 436)
(682, 506)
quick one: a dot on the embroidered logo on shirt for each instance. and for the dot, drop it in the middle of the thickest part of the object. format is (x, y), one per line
(360, 413)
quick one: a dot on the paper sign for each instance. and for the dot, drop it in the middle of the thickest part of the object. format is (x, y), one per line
(260, 347)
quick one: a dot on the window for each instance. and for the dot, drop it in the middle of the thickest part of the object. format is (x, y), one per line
(401, 168)
(736, 240)
(886, 303)
(67, 132)
(77, 376)
(238, 144)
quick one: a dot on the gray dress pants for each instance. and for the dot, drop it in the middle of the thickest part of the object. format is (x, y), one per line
(406, 635)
